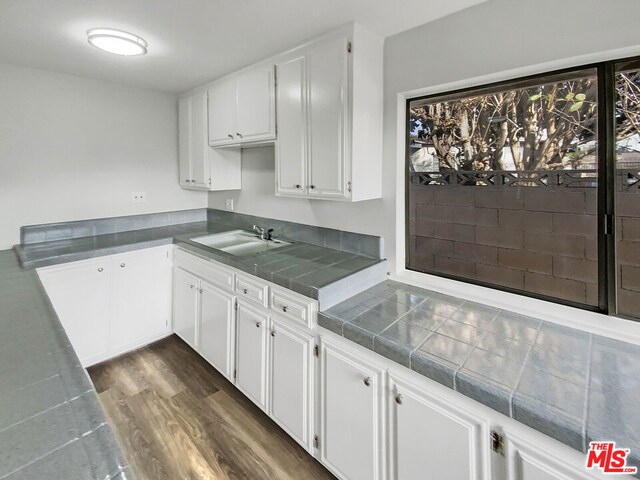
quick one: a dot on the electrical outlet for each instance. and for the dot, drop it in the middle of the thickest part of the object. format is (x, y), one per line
(138, 197)
(228, 204)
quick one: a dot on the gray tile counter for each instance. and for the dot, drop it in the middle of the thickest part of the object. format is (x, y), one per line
(51, 422)
(322, 273)
(569, 384)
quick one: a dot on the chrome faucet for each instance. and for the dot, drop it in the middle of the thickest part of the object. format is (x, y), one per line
(263, 234)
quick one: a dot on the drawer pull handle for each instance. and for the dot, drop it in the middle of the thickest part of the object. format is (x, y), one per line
(122, 265)
(399, 399)
(273, 333)
(231, 136)
(258, 324)
(192, 287)
(285, 309)
(367, 381)
(101, 269)
(245, 291)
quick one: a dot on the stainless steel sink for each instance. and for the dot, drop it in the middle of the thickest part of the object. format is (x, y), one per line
(239, 242)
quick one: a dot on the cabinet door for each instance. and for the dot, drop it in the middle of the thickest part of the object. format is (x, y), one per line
(351, 415)
(291, 381)
(81, 296)
(328, 106)
(200, 145)
(185, 306)
(255, 113)
(433, 441)
(141, 298)
(222, 113)
(217, 332)
(251, 349)
(291, 145)
(543, 461)
(185, 143)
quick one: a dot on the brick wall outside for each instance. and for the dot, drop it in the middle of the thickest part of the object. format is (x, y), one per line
(535, 239)
(628, 252)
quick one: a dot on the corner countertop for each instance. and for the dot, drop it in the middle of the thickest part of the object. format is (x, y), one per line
(50, 416)
(51, 422)
(572, 385)
(313, 271)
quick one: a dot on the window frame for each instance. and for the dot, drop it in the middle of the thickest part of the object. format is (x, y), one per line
(606, 231)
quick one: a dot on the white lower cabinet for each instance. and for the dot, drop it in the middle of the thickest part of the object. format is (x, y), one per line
(364, 417)
(533, 456)
(142, 298)
(251, 353)
(217, 328)
(352, 433)
(112, 304)
(432, 440)
(291, 380)
(185, 306)
(80, 294)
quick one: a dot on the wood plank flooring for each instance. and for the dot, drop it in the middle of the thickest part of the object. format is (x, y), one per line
(177, 418)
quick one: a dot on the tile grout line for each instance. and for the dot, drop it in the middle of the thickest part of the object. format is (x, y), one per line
(587, 397)
(40, 457)
(521, 372)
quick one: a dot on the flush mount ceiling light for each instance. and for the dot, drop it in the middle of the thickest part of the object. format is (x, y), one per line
(117, 41)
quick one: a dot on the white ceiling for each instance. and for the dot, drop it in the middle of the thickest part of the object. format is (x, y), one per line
(190, 41)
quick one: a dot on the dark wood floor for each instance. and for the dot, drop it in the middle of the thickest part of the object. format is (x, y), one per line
(177, 418)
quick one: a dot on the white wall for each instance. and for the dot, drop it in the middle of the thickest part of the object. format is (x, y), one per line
(496, 36)
(73, 148)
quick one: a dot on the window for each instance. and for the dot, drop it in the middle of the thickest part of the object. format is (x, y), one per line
(511, 186)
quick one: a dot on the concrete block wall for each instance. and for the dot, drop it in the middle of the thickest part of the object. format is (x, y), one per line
(628, 251)
(535, 239)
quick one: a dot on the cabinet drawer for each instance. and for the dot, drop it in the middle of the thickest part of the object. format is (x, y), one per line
(299, 309)
(208, 270)
(251, 289)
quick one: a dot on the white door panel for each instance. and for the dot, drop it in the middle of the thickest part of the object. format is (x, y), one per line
(217, 333)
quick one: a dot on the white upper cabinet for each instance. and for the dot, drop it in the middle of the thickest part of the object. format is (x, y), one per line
(291, 147)
(203, 167)
(242, 108)
(327, 117)
(329, 106)
(222, 112)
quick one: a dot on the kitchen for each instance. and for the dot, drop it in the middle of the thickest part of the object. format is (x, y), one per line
(236, 249)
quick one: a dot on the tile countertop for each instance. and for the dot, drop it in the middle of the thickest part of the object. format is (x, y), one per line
(317, 272)
(51, 422)
(569, 384)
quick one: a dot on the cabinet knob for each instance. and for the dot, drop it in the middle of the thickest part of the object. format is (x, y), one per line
(239, 134)
(285, 309)
(245, 290)
(399, 399)
(122, 265)
(231, 136)
(312, 187)
(273, 333)
(201, 290)
(258, 324)
(298, 186)
(101, 269)
(192, 287)
(367, 381)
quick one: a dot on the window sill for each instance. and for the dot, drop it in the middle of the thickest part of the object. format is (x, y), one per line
(598, 323)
